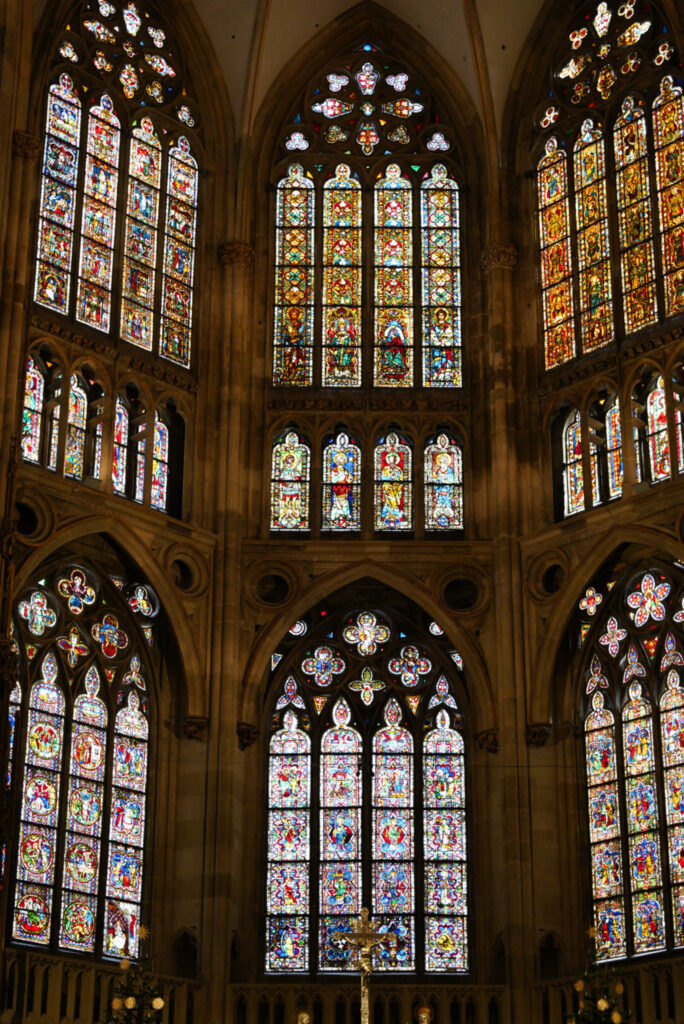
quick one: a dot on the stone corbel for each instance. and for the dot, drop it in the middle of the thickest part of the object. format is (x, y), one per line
(537, 733)
(194, 726)
(246, 734)
(488, 739)
(498, 255)
(236, 253)
(25, 146)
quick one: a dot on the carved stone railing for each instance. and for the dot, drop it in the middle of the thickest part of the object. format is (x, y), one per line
(654, 994)
(50, 990)
(276, 1002)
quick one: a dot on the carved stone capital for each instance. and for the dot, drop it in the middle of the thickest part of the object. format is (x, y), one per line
(488, 739)
(537, 733)
(25, 146)
(231, 253)
(194, 726)
(246, 734)
(498, 255)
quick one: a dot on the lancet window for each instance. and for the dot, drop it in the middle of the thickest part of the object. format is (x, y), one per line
(79, 759)
(385, 501)
(367, 803)
(119, 194)
(633, 711)
(367, 235)
(610, 180)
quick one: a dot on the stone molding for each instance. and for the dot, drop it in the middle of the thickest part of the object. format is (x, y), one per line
(246, 734)
(236, 253)
(537, 733)
(194, 726)
(25, 146)
(498, 255)
(488, 739)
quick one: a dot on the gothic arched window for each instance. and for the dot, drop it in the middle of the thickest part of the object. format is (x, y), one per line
(393, 499)
(367, 247)
(118, 206)
(366, 795)
(443, 484)
(633, 710)
(573, 475)
(80, 757)
(612, 129)
(341, 484)
(290, 462)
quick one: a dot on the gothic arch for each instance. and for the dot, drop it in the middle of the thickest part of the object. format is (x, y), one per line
(192, 669)
(552, 697)
(252, 690)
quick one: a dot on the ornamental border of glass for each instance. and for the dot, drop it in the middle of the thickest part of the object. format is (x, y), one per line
(629, 630)
(325, 725)
(79, 853)
(381, 238)
(587, 247)
(157, 281)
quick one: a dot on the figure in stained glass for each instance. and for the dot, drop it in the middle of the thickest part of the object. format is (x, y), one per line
(341, 485)
(290, 484)
(393, 487)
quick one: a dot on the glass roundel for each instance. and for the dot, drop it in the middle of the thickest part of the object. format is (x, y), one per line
(380, 303)
(80, 759)
(632, 700)
(365, 730)
(612, 139)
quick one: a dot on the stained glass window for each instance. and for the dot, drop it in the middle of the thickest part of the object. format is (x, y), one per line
(58, 196)
(393, 361)
(341, 279)
(53, 408)
(556, 256)
(92, 169)
(290, 464)
(658, 446)
(84, 776)
(393, 498)
(444, 843)
(441, 281)
(626, 153)
(160, 463)
(138, 442)
(14, 711)
(595, 291)
(634, 218)
(120, 447)
(668, 135)
(32, 417)
(77, 419)
(614, 450)
(573, 475)
(289, 848)
(179, 253)
(341, 485)
(443, 484)
(142, 218)
(634, 725)
(94, 299)
(341, 790)
(294, 297)
(377, 716)
(407, 228)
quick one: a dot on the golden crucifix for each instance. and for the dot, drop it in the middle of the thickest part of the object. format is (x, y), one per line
(364, 938)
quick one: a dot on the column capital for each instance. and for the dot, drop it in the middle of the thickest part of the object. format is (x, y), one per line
(25, 146)
(498, 254)
(231, 253)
